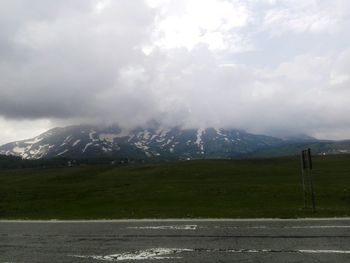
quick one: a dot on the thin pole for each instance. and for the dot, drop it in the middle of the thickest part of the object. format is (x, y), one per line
(313, 199)
(311, 180)
(303, 181)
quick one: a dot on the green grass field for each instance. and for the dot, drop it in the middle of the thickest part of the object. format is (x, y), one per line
(188, 189)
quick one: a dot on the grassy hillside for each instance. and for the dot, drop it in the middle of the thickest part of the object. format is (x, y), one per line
(203, 188)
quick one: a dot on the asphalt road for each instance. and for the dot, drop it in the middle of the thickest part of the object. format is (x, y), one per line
(176, 241)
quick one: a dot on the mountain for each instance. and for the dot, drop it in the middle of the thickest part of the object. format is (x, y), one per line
(319, 147)
(85, 141)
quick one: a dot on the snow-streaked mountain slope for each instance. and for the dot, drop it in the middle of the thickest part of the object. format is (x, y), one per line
(90, 141)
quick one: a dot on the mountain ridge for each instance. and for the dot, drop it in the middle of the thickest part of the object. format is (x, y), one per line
(90, 141)
(93, 141)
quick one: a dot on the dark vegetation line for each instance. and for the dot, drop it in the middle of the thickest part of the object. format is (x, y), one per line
(15, 162)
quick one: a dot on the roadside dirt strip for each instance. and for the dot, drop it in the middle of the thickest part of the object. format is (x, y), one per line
(171, 240)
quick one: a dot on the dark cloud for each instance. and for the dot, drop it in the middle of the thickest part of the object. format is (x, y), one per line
(68, 56)
(130, 62)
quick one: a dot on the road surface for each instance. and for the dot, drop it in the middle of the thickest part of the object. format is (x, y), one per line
(176, 241)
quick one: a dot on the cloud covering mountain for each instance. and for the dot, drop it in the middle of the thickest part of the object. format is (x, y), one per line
(272, 66)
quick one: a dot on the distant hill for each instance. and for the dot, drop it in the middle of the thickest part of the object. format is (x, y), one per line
(87, 141)
(318, 147)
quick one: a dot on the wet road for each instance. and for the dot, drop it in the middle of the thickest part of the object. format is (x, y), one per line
(176, 241)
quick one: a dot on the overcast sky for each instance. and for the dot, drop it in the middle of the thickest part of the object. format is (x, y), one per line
(276, 67)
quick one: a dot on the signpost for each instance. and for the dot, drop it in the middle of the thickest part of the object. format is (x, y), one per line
(307, 180)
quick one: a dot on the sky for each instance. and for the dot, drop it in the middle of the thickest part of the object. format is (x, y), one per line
(276, 67)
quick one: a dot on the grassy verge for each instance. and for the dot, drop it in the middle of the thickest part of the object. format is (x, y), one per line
(191, 189)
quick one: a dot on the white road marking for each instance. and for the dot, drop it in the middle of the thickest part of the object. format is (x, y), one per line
(328, 251)
(302, 227)
(239, 227)
(167, 253)
(177, 220)
(325, 251)
(175, 227)
(286, 251)
(276, 227)
(149, 254)
(194, 227)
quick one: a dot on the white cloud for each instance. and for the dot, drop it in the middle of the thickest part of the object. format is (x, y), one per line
(309, 16)
(101, 5)
(305, 68)
(213, 22)
(176, 61)
(13, 130)
(340, 73)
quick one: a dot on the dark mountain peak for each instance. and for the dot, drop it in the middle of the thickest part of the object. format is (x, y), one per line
(155, 141)
(144, 142)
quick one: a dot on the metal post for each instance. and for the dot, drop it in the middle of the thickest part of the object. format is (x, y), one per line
(313, 199)
(303, 181)
(307, 179)
(311, 180)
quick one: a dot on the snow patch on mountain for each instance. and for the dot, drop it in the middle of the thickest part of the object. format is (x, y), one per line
(66, 150)
(76, 142)
(105, 149)
(91, 136)
(35, 140)
(66, 140)
(91, 141)
(109, 137)
(219, 132)
(199, 140)
(19, 150)
(87, 146)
